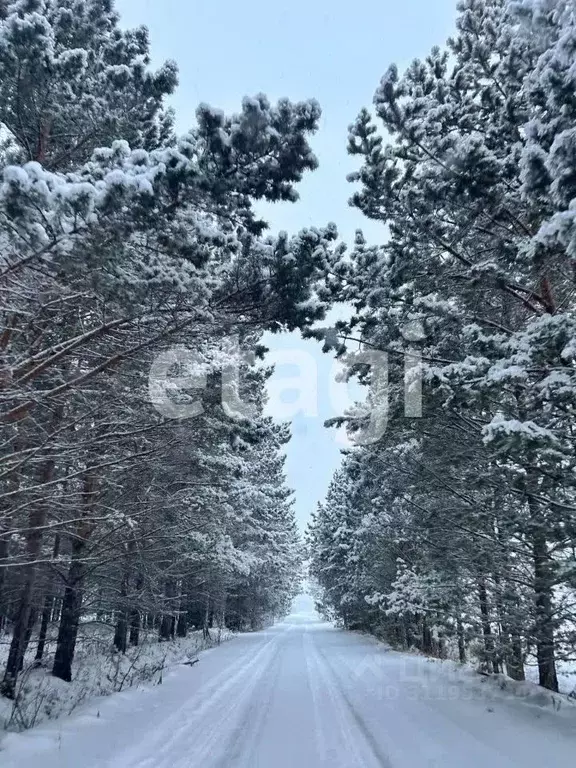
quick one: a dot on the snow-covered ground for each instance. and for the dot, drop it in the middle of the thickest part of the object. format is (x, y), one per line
(97, 671)
(301, 695)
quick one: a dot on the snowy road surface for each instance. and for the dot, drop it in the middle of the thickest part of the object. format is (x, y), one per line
(301, 695)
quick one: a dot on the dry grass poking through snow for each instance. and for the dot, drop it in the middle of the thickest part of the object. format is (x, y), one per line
(98, 670)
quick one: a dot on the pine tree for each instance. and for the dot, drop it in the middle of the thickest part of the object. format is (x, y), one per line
(121, 240)
(475, 187)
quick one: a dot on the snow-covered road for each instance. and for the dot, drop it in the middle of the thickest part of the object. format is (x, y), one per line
(301, 695)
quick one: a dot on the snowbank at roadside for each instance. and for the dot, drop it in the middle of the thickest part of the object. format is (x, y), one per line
(98, 671)
(498, 687)
(447, 679)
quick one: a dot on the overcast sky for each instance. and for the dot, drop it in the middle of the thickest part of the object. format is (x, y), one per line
(336, 53)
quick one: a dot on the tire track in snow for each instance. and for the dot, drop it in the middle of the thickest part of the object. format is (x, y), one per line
(328, 711)
(346, 711)
(319, 730)
(196, 727)
(241, 747)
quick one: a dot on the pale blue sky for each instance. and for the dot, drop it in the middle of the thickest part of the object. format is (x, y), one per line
(333, 52)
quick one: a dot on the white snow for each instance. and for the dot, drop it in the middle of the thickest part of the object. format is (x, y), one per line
(300, 695)
(98, 671)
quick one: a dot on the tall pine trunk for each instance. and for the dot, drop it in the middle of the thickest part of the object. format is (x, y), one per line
(206, 625)
(4, 549)
(135, 622)
(69, 617)
(544, 625)
(182, 622)
(427, 641)
(461, 641)
(48, 606)
(486, 626)
(6, 517)
(21, 634)
(73, 593)
(44, 624)
(167, 623)
(514, 656)
(135, 615)
(121, 630)
(515, 661)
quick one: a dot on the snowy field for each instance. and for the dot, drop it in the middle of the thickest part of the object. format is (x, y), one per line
(304, 694)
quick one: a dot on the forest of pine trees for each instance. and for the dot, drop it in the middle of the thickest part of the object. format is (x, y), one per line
(456, 533)
(119, 241)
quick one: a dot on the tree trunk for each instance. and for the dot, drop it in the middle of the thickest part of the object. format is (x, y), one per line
(165, 632)
(486, 627)
(28, 635)
(16, 652)
(36, 521)
(134, 627)
(167, 624)
(461, 641)
(544, 629)
(69, 620)
(513, 656)
(515, 661)
(442, 650)
(44, 623)
(72, 600)
(4, 549)
(56, 610)
(182, 625)
(403, 632)
(47, 610)
(135, 617)
(121, 631)
(11, 484)
(206, 626)
(427, 645)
